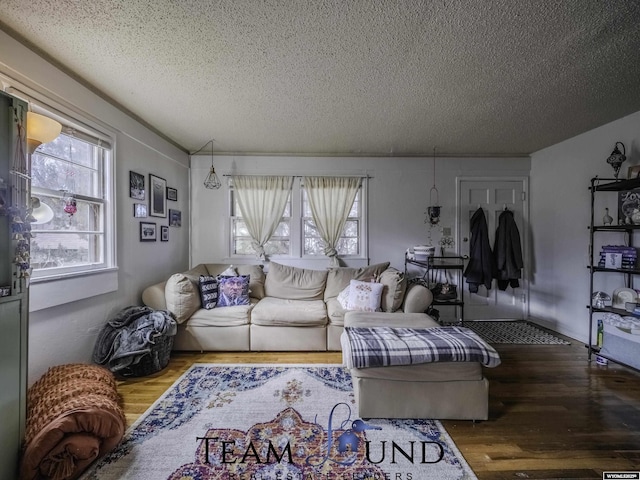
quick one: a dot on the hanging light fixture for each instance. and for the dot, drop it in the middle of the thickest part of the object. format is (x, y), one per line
(42, 213)
(617, 158)
(212, 182)
(40, 129)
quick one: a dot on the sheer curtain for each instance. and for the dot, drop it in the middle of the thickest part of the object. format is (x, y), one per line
(330, 200)
(262, 201)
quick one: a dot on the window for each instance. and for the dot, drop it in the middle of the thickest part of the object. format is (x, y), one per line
(278, 244)
(70, 175)
(297, 235)
(349, 243)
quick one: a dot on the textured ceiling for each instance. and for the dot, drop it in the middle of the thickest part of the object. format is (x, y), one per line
(477, 77)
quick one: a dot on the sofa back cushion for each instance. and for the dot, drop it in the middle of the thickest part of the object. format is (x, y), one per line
(395, 286)
(338, 278)
(182, 292)
(255, 272)
(295, 283)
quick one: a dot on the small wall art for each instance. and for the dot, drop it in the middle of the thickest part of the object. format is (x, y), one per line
(172, 194)
(140, 210)
(148, 232)
(136, 185)
(164, 233)
(157, 196)
(175, 218)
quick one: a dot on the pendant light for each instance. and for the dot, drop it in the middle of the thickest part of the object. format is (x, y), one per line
(212, 182)
(40, 129)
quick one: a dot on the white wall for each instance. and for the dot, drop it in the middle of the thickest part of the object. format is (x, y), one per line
(398, 197)
(67, 333)
(560, 216)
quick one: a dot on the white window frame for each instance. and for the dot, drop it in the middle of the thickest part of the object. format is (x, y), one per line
(296, 227)
(73, 284)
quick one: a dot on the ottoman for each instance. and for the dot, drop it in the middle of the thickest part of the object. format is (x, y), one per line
(439, 390)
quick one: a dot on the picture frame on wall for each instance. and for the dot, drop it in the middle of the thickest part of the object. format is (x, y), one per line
(175, 218)
(164, 233)
(136, 185)
(148, 232)
(172, 194)
(140, 210)
(157, 196)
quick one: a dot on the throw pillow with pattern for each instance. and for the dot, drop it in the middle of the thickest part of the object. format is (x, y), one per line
(208, 291)
(233, 291)
(365, 296)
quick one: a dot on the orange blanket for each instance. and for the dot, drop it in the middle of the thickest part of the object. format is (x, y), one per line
(73, 417)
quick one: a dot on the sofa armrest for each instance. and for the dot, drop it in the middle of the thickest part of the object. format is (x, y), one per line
(417, 299)
(153, 296)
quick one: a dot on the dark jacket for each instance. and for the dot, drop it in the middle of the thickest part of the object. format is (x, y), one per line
(481, 267)
(507, 252)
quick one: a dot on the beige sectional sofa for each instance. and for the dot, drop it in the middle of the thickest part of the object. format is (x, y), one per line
(291, 309)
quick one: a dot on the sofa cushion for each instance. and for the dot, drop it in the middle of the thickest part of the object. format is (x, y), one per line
(222, 317)
(335, 312)
(395, 286)
(295, 283)
(208, 291)
(339, 277)
(364, 296)
(289, 312)
(182, 292)
(255, 272)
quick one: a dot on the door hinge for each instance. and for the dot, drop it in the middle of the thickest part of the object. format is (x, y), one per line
(524, 196)
(523, 298)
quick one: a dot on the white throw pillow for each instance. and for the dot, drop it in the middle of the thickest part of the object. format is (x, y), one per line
(343, 297)
(365, 296)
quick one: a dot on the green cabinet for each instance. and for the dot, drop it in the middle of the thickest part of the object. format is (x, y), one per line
(14, 254)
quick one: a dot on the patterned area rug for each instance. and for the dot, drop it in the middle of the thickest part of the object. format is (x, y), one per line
(275, 422)
(516, 332)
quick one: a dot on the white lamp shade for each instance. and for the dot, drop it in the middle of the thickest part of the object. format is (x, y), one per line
(42, 213)
(41, 129)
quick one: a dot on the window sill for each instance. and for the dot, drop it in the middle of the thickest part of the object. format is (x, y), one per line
(53, 291)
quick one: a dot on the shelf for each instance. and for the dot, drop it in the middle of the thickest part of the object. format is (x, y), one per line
(633, 271)
(615, 228)
(439, 263)
(615, 185)
(620, 311)
(447, 302)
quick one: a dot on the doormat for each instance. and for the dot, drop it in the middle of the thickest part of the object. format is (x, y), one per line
(515, 332)
(275, 422)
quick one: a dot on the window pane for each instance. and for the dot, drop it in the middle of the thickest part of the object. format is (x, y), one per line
(240, 228)
(348, 246)
(282, 230)
(350, 228)
(54, 250)
(71, 149)
(277, 247)
(87, 217)
(313, 246)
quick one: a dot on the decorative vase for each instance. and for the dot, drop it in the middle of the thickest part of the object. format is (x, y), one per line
(607, 219)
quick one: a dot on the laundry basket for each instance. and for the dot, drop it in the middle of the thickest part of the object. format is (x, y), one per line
(152, 362)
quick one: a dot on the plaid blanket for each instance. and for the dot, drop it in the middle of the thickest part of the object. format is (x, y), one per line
(385, 346)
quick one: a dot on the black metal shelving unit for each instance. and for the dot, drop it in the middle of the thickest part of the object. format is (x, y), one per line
(608, 185)
(432, 266)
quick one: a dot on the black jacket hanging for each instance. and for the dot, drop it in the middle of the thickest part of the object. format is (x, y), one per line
(481, 267)
(507, 252)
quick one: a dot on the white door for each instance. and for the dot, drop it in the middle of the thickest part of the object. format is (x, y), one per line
(493, 195)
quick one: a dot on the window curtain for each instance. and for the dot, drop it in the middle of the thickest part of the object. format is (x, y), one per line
(330, 200)
(262, 201)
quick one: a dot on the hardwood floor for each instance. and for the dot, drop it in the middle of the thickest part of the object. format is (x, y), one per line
(552, 414)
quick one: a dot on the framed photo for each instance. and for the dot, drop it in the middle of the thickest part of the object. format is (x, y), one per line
(172, 194)
(148, 232)
(157, 196)
(175, 218)
(140, 210)
(634, 172)
(164, 233)
(136, 185)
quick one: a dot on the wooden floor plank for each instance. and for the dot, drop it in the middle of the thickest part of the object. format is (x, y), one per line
(552, 414)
